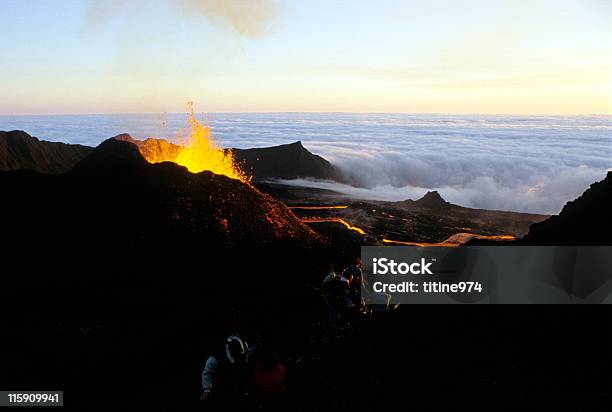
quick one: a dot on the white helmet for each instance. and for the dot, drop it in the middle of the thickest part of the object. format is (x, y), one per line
(244, 347)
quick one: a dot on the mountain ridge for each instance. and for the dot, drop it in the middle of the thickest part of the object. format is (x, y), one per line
(20, 151)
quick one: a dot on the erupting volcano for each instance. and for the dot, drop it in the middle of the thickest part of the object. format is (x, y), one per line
(198, 152)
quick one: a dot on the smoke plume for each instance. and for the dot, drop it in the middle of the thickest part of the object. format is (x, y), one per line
(249, 18)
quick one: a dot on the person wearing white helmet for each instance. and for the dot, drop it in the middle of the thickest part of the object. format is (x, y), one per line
(224, 374)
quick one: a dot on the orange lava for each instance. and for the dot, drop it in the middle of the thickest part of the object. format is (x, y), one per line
(336, 220)
(318, 207)
(199, 152)
(453, 241)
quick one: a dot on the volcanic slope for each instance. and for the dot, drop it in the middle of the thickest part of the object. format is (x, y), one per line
(115, 197)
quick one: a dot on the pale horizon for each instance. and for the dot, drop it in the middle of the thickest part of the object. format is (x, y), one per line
(288, 56)
(198, 112)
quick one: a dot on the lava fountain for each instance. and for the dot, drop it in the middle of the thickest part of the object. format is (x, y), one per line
(199, 152)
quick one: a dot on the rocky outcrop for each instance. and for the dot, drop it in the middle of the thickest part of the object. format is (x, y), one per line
(432, 200)
(586, 220)
(20, 151)
(288, 161)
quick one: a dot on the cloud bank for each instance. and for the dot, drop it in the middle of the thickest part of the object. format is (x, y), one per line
(490, 175)
(522, 163)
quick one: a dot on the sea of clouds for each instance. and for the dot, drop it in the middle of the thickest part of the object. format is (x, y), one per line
(521, 163)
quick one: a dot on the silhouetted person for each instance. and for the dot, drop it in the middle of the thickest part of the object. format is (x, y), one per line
(225, 374)
(332, 290)
(354, 275)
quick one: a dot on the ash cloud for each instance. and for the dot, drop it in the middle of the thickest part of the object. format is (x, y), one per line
(101, 12)
(250, 18)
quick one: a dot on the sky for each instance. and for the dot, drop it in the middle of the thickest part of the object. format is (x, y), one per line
(440, 56)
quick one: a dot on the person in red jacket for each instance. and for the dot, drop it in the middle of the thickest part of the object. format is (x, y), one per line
(268, 378)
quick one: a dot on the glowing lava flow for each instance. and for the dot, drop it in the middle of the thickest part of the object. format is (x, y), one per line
(200, 152)
(453, 241)
(317, 207)
(336, 220)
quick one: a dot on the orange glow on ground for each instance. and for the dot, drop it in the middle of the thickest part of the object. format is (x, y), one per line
(453, 241)
(336, 220)
(317, 207)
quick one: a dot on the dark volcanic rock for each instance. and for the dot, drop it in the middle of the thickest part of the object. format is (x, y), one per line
(111, 157)
(432, 200)
(289, 161)
(586, 220)
(20, 151)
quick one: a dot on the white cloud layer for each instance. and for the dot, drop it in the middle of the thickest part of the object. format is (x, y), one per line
(529, 164)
